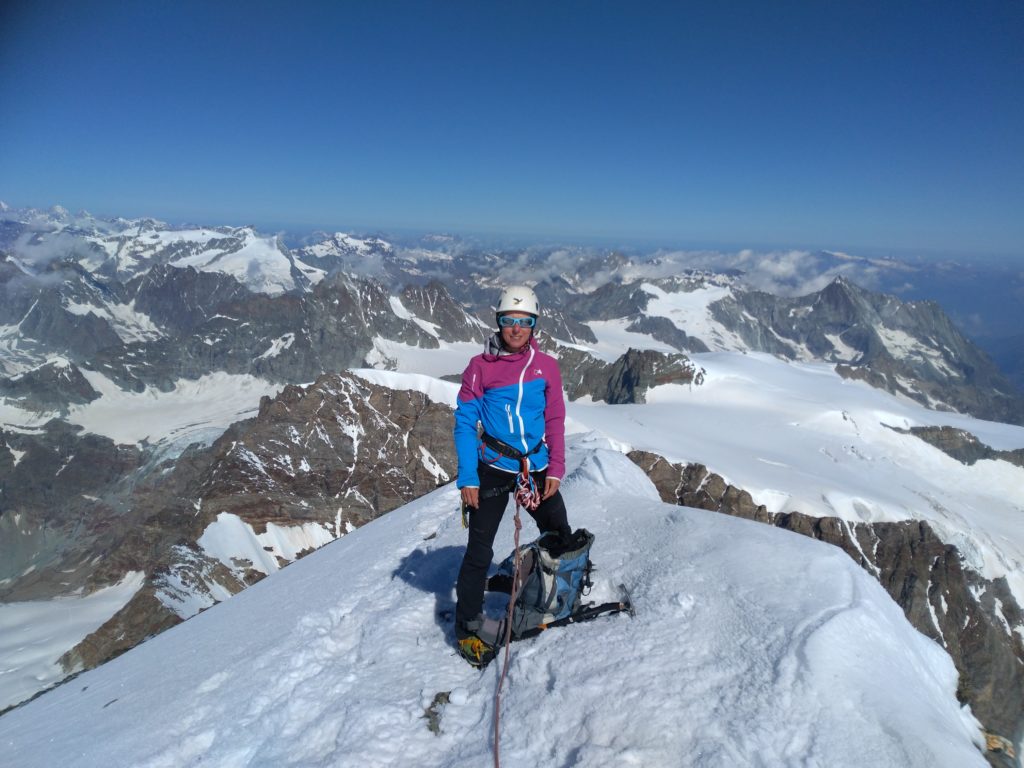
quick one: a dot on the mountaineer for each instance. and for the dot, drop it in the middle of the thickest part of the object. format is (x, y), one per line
(515, 391)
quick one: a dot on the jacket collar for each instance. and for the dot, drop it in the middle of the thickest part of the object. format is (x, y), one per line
(493, 349)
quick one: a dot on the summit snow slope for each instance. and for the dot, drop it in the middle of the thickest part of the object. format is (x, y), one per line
(751, 646)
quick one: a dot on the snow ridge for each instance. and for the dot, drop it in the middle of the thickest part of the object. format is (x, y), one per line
(751, 646)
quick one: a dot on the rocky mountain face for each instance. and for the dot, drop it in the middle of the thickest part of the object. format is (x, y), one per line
(911, 349)
(664, 330)
(62, 495)
(446, 318)
(970, 616)
(50, 387)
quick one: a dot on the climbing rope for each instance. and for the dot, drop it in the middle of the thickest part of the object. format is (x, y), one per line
(526, 497)
(508, 644)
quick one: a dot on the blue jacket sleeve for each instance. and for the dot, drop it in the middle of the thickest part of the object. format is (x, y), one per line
(467, 415)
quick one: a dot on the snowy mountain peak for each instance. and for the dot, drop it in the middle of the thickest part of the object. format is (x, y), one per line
(840, 283)
(343, 244)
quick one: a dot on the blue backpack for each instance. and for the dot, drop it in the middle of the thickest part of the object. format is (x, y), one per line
(554, 574)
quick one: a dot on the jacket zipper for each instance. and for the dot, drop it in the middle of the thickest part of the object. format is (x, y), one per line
(519, 402)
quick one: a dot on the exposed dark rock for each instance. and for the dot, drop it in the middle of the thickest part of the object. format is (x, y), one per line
(79, 336)
(633, 374)
(50, 387)
(143, 617)
(962, 445)
(967, 614)
(627, 380)
(288, 337)
(432, 714)
(58, 510)
(182, 299)
(342, 443)
(433, 304)
(612, 301)
(664, 330)
(559, 317)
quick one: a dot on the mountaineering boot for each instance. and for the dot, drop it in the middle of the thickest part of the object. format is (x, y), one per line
(476, 640)
(475, 651)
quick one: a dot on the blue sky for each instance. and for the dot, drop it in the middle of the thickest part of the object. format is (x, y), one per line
(863, 126)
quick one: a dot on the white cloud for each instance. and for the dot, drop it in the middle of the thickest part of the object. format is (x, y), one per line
(783, 273)
(36, 249)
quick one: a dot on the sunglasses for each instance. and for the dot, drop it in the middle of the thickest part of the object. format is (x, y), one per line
(523, 322)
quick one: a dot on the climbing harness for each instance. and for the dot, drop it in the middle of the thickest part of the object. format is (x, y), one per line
(527, 494)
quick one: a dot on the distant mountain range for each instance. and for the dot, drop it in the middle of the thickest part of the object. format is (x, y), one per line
(143, 304)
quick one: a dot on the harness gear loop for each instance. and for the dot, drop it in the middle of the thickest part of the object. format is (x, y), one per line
(527, 493)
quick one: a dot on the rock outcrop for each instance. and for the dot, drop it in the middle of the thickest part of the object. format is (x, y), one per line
(51, 387)
(434, 305)
(628, 379)
(962, 445)
(53, 533)
(664, 330)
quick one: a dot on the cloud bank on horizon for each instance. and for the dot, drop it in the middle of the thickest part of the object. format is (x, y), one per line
(782, 273)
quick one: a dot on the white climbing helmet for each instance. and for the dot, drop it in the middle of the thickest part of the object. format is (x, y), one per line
(518, 298)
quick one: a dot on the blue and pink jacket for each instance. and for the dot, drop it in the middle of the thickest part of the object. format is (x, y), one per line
(518, 399)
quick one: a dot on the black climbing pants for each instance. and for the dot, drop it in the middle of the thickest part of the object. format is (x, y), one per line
(483, 526)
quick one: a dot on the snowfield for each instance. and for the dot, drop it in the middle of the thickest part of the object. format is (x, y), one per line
(259, 263)
(35, 634)
(751, 646)
(194, 411)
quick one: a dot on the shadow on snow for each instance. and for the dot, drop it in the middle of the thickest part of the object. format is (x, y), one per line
(435, 571)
